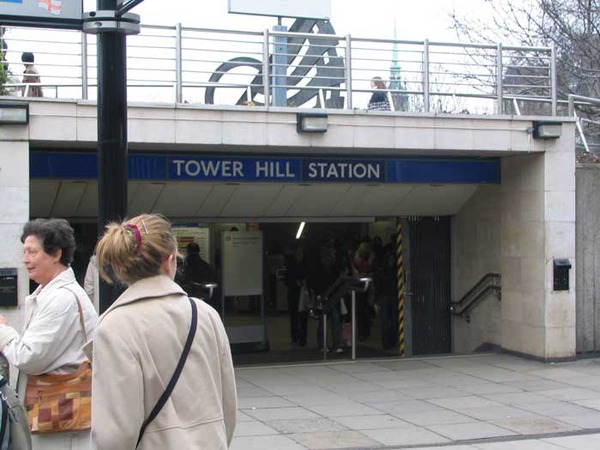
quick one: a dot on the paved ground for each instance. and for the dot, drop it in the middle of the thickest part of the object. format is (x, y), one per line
(487, 401)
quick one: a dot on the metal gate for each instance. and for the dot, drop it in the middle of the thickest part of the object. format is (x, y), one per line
(430, 284)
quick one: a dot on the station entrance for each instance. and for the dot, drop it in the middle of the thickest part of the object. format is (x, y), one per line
(258, 321)
(247, 227)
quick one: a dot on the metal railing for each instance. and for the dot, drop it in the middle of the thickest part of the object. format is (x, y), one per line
(488, 284)
(587, 127)
(176, 64)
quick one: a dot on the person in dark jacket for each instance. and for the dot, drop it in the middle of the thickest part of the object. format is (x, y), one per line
(197, 272)
(378, 100)
(388, 298)
(322, 275)
(295, 278)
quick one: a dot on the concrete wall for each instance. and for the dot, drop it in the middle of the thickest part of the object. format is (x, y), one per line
(14, 204)
(475, 252)
(538, 226)
(588, 255)
(248, 130)
(518, 230)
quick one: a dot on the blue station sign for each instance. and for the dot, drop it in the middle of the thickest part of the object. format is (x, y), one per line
(278, 169)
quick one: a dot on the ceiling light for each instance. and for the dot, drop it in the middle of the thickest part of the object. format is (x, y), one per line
(300, 229)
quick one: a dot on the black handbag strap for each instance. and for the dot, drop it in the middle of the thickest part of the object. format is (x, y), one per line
(169, 389)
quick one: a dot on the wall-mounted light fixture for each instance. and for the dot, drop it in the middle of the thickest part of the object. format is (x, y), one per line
(547, 130)
(14, 113)
(311, 123)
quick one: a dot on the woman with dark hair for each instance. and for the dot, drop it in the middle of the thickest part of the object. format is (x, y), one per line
(379, 100)
(31, 78)
(151, 332)
(55, 316)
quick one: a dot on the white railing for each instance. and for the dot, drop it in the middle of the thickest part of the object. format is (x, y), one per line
(168, 64)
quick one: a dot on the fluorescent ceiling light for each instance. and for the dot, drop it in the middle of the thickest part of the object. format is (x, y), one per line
(300, 229)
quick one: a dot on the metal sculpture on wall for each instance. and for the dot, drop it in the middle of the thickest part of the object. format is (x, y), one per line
(320, 54)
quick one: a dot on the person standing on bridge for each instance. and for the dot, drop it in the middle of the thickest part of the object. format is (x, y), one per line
(379, 101)
(31, 78)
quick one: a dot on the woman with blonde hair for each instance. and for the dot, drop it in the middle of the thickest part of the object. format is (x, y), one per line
(163, 374)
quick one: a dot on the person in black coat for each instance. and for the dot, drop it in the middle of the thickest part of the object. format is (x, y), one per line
(295, 278)
(324, 272)
(379, 100)
(197, 272)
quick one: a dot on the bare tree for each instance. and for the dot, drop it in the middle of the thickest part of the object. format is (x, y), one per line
(572, 27)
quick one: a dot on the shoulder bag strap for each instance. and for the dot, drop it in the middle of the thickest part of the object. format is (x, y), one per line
(169, 389)
(79, 307)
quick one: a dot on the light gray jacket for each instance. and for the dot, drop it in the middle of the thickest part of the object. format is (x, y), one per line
(138, 343)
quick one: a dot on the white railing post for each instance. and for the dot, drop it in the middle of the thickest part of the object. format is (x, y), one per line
(499, 81)
(178, 65)
(266, 71)
(84, 67)
(348, 64)
(426, 75)
(553, 80)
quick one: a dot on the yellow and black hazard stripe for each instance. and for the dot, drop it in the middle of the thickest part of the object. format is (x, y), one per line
(400, 290)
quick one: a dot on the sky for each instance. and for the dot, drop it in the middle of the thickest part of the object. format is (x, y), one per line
(415, 20)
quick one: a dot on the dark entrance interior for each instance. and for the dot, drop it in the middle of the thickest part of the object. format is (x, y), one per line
(429, 240)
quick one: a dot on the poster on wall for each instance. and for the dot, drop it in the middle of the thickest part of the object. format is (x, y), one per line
(242, 262)
(199, 235)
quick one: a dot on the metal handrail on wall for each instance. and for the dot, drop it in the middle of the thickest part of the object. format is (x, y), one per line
(313, 70)
(488, 284)
(578, 101)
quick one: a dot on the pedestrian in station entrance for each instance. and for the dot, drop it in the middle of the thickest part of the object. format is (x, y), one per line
(197, 273)
(152, 333)
(322, 274)
(364, 265)
(387, 283)
(295, 280)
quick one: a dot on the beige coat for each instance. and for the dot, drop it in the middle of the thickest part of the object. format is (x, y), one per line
(137, 346)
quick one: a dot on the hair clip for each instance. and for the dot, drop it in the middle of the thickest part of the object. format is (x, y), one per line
(135, 232)
(144, 225)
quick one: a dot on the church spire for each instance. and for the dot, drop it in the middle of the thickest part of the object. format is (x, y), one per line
(395, 85)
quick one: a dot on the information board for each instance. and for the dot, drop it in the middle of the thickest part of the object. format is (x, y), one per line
(242, 263)
(199, 235)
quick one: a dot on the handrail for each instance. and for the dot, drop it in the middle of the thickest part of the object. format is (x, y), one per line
(490, 282)
(431, 76)
(340, 287)
(581, 100)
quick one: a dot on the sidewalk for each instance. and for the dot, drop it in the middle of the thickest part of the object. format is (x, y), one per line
(485, 401)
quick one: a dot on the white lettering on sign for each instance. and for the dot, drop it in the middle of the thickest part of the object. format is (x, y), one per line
(208, 169)
(273, 169)
(344, 170)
